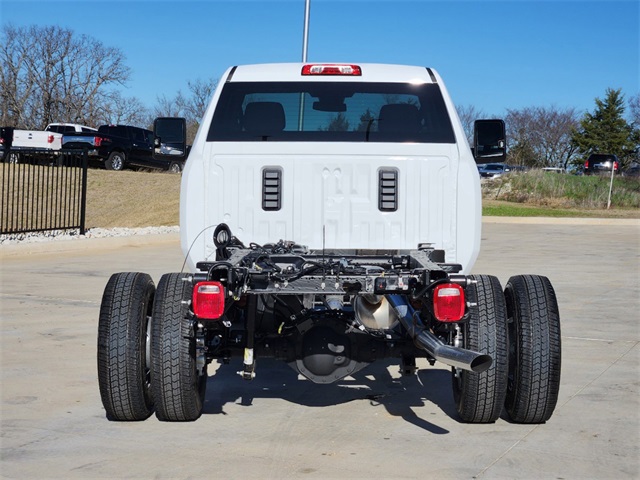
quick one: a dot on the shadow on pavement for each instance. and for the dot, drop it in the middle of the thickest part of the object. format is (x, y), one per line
(400, 396)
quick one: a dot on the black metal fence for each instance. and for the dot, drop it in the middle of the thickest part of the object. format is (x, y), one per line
(43, 191)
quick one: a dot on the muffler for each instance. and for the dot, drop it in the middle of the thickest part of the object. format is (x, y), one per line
(424, 339)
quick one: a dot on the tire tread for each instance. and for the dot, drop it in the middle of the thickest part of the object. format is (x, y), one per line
(480, 397)
(178, 390)
(121, 351)
(535, 381)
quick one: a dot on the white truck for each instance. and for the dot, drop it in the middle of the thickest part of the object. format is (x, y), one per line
(33, 141)
(330, 217)
(44, 143)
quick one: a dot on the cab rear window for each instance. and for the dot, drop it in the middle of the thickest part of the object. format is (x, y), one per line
(331, 112)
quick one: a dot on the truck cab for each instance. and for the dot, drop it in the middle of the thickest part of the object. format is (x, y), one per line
(348, 157)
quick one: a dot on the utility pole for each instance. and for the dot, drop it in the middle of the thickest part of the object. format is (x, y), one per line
(305, 45)
(305, 35)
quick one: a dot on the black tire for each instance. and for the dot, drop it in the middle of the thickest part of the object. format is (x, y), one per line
(115, 161)
(175, 167)
(123, 364)
(178, 387)
(479, 397)
(13, 157)
(535, 349)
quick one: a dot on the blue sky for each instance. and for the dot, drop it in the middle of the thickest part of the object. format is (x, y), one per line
(494, 55)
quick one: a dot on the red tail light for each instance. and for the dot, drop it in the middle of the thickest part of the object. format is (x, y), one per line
(615, 166)
(208, 300)
(449, 302)
(97, 141)
(326, 69)
(50, 139)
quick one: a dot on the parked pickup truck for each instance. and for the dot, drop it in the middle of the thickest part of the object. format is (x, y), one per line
(68, 131)
(119, 146)
(18, 141)
(330, 218)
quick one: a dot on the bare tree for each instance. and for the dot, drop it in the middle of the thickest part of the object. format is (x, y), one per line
(542, 136)
(170, 107)
(50, 74)
(125, 111)
(634, 121)
(468, 115)
(200, 93)
(191, 105)
(15, 89)
(634, 110)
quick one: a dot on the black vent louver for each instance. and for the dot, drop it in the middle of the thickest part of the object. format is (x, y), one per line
(271, 189)
(388, 190)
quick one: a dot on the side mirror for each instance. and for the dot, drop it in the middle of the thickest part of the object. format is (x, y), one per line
(170, 138)
(489, 141)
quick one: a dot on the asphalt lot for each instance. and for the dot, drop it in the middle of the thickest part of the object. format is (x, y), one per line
(376, 425)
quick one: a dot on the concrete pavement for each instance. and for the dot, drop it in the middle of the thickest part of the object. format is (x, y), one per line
(376, 425)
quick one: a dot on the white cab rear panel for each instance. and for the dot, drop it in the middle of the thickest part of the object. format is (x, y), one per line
(330, 194)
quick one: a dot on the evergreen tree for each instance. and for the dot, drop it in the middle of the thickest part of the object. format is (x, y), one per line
(606, 131)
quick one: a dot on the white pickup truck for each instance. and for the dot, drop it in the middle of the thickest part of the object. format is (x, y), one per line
(18, 141)
(49, 141)
(330, 217)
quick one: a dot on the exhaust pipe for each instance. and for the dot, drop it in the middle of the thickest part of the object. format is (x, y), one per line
(424, 339)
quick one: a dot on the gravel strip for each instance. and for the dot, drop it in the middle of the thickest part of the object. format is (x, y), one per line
(57, 235)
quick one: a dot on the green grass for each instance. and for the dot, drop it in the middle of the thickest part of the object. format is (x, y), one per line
(496, 209)
(500, 208)
(538, 193)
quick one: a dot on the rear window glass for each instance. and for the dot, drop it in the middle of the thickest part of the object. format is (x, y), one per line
(115, 130)
(331, 112)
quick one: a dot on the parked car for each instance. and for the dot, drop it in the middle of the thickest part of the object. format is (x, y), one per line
(493, 170)
(119, 146)
(16, 143)
(599, 163)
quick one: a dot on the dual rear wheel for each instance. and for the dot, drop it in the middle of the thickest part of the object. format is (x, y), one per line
(520, 329)
(147, 350)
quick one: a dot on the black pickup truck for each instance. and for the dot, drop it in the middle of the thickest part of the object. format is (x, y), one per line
(120, 146)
